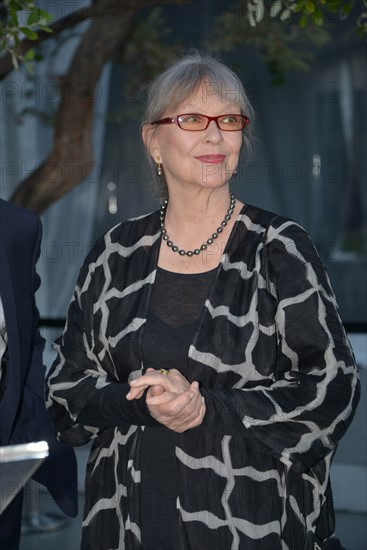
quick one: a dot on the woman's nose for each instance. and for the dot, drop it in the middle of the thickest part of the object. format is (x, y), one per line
(213, 132)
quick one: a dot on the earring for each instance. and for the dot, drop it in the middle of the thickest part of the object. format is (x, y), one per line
(234, 173)
(159, 166)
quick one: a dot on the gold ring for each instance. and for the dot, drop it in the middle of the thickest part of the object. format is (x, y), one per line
(164, 371)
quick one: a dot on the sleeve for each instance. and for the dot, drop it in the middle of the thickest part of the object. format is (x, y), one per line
(303, 414)
(83, 398)
(36, 373)
(32, 411)
(109, 407)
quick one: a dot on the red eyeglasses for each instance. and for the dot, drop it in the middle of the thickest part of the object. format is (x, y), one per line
(194, 122)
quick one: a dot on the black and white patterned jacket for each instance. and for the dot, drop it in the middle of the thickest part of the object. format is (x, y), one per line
(275, 368)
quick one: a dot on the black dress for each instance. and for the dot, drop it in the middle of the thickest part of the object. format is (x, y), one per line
(175, 310)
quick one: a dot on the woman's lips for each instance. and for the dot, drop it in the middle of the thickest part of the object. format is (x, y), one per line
(211, 159)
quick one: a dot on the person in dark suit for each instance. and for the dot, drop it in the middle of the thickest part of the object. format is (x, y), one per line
(23, 414)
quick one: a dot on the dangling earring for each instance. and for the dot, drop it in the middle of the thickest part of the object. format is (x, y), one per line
(159, 166)
(234, 173)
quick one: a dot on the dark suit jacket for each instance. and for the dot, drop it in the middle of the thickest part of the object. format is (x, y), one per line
(23, 414)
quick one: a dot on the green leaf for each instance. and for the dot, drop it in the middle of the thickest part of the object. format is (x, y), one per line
(45, 15)
(45, 28)
(14, 60)
(303, 21)
(13, 18)
(346, 9)
(29, 56)
(310, 6)
(318, 17)
(32, 35)
(33, 18)
(285, 14)
(333, 5)
(39, 17)
(276, 8)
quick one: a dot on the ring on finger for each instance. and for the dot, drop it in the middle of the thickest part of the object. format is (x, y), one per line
(164, 371)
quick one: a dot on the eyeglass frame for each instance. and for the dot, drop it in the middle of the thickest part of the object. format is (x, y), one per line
(174, 120)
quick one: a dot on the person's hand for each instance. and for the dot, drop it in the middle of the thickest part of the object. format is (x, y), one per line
(173, 382)
(137, 389)
(171, 399)
(177, 412)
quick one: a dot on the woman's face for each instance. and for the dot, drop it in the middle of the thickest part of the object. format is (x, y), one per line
(205, 158)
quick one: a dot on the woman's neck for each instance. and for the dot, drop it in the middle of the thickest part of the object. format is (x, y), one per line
(197, 209)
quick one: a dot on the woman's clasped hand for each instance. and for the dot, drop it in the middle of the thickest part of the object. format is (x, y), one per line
(170, 398)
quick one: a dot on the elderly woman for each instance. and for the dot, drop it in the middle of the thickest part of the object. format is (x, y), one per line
(203, 351)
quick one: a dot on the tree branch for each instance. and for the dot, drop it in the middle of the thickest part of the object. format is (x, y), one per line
(98, 9)
(6, 64)
(71, 159)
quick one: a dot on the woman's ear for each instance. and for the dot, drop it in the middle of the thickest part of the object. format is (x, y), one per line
(148, 135)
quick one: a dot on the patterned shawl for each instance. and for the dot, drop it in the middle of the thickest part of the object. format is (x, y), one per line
(275, 368)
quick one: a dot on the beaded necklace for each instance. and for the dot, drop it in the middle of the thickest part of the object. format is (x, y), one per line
(209, 241)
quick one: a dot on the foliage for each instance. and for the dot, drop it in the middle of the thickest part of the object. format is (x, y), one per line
(22, 19)
(309, 12)
(283, 45)
(285, 32)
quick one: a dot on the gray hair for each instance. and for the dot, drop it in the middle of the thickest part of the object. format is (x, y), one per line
(178, 82)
